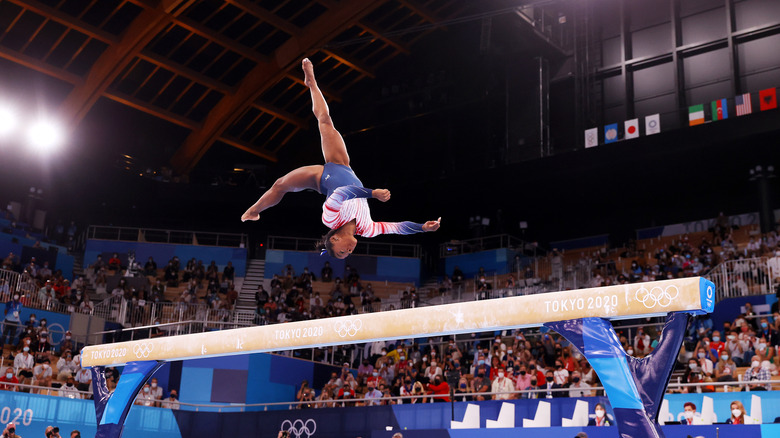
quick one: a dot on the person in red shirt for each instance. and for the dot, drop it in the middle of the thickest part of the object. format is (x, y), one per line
(9, 377)
(440, 390)
(717, 345)
(114, 263)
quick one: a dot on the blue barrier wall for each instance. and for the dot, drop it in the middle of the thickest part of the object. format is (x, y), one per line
(729, 308)
(162, 252)
(251, 378)
(497, 261)
(33, 413)
(370, 268)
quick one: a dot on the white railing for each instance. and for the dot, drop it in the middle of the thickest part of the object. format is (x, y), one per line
(739, 278)
(167, 236)
(9, 283)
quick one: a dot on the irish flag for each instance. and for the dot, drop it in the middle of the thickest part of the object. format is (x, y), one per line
(695, 115)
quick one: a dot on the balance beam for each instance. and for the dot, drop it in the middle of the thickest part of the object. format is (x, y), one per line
(637, 300)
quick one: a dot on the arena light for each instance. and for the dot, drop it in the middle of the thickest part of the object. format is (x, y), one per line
(45, 135)
(8, 120)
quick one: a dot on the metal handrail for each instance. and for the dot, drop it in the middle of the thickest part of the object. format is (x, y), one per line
(364, 247)
(456, 247)
(155, 235)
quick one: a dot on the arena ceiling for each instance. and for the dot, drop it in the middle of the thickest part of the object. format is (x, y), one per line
(227, 71)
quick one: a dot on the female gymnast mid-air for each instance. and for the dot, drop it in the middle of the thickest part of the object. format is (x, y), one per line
(345, 210)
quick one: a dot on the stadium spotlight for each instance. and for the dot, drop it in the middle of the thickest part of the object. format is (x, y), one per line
(8, 120)
(45, 135)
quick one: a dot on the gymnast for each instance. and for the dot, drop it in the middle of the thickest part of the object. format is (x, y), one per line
(345, 210)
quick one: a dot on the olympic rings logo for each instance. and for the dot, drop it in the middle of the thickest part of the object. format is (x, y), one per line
(143, 350)
(657, 296)
(349, 327)
(299, 427)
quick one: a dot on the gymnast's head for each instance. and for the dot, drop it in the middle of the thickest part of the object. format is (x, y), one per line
(338, 243)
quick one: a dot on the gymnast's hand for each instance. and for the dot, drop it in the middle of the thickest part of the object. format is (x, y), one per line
(250, 215)
(432, 225)
(381, 194)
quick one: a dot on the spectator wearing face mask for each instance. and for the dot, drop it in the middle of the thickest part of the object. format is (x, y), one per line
(549, 384)
(66, 366)
(9, 377)
(439, 389)
(83, 379)
(462, 388)
(172, 402)
(432, 371)
(42, 374)
(156, 391)
(578, 388)
(67, 343)
(145, 397)
(504, 384)
(13, 308)
(69, 390)
(24, 363)
(757, 372)
(373, 396)
(601, 418)
(737, 413)
(690, 415)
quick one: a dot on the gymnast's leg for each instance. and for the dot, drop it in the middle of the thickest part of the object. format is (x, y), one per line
(302, 178)
(333, 148)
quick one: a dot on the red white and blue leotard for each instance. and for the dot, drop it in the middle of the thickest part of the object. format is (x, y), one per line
(347, 202)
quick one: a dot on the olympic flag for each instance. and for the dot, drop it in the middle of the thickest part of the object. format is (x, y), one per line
(635, 300)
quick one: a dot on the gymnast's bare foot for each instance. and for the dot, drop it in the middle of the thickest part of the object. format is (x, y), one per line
(308, 72)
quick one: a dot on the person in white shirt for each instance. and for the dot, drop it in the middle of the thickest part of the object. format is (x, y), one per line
(578, 388)
(24, 364)
(156, 391)
(172, 401)
(561, 374)
(502, 384)
(83, 379)
(432, 371)
(705, 365)
(372, 396)
(42, 374)
(145, 397)
(69, 390)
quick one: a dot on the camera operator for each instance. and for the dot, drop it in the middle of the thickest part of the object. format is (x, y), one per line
(53, 432)
(10, 431)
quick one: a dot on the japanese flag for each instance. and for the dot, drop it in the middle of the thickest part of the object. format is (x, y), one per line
(631, 128)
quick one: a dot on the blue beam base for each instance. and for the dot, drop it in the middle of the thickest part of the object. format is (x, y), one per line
(111, 409)
(635, 387)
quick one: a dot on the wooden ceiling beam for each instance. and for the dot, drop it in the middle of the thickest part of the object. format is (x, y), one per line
(185, 72)
(267, 16)
(328, 92)
(65, 20)
(370, 28)
(147, 108)
(350, 62)
(246, 147)
(116, 57)
(235, 46)
(39, 66)
(280, 113)
(263, 76)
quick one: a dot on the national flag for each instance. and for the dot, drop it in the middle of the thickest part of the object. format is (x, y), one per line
(743, 104)
(719, 110)
(695, 115)
(653, 124)
(610, 133)
(631, 128)
(768, 99)
(591, 137)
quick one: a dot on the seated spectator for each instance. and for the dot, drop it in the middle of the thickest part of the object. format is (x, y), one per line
(439, 389)
(145, 397)
(9, 377)
(757, 372)
(549, 385)
(66, 367)
(737, 413)
(601, 418)
(172, 401)
(67, 343)
(578, 388)
(373, 396)
(42, 349)
(42, 374)
(705, 364)
(502, 384)
(156, 391)
(83, 379)
(724, 370)
(24, 364)
(463, 388)
(68, 390)
(150, 268)
(114, 263)
(690, 414)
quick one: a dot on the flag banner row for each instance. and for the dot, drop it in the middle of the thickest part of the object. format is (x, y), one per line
(630, 130)
(697, 115)
(719, 109)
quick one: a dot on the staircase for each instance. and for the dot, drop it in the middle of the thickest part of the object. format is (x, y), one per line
(255, 271)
